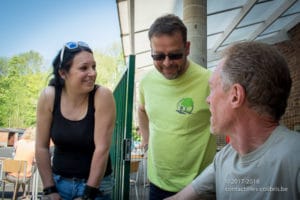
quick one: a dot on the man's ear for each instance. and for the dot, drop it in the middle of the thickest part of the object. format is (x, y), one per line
(238, 95)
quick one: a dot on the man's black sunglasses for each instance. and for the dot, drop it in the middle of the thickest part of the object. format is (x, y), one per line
(171, 56)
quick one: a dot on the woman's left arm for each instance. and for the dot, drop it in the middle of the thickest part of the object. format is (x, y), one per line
(105, 114)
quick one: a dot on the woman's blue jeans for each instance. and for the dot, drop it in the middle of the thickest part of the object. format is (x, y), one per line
(71, 188)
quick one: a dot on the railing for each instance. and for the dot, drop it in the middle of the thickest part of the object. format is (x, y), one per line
(121, 141)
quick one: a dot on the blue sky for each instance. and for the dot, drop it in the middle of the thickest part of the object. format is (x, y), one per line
(45, 25)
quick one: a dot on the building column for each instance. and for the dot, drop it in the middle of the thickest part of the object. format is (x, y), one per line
(194, 17)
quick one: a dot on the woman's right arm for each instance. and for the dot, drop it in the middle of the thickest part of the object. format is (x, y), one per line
(44, 119)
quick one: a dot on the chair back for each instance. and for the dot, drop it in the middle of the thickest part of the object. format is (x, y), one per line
(134, 166)
(16, 169)
(134, 169)
(14, 166)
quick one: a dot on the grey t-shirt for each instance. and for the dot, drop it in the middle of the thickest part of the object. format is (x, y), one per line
(270, 172)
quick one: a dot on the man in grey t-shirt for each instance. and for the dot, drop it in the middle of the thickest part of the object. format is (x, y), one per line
(249, 93)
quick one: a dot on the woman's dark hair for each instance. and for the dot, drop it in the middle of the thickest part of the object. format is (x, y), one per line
(65, 65)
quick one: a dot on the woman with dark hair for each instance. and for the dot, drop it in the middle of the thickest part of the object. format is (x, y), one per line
(79, 117)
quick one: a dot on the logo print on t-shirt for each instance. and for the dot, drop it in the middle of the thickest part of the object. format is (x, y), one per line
(185, 106)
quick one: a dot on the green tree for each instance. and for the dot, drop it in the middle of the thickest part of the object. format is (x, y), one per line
(20, 82)
(110, 66)
(3, 66)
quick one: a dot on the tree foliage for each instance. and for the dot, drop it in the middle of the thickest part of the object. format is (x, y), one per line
(23, 76)
(110, 66)
(20, 83)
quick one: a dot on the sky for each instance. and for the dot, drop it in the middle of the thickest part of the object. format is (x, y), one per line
(45, 25)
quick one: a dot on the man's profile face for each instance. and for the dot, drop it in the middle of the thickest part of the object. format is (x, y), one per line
(219, 103)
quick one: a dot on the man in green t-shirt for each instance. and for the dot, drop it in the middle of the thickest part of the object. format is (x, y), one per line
(172, 112)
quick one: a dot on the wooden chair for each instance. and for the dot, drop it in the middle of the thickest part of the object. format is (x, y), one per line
(19, 168)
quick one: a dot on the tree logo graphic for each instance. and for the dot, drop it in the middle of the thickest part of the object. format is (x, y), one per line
(185, 106)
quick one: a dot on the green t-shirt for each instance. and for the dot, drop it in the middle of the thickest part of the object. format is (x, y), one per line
(180, 143)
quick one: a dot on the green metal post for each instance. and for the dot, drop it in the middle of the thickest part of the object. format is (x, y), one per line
(121, 142)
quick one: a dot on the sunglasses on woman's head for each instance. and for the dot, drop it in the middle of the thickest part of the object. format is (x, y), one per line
(71, 45)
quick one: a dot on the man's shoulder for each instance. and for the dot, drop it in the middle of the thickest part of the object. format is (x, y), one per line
(197, 69)
(287, 135)
(286, 144)
(225, 152)
(149, 76)
(287, 152)
(291, 138)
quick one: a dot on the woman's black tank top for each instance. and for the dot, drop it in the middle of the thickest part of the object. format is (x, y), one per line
(74, 141)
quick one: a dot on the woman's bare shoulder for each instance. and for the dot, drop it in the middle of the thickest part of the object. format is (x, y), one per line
(103, 92)
(47, 97)
(103, 97)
